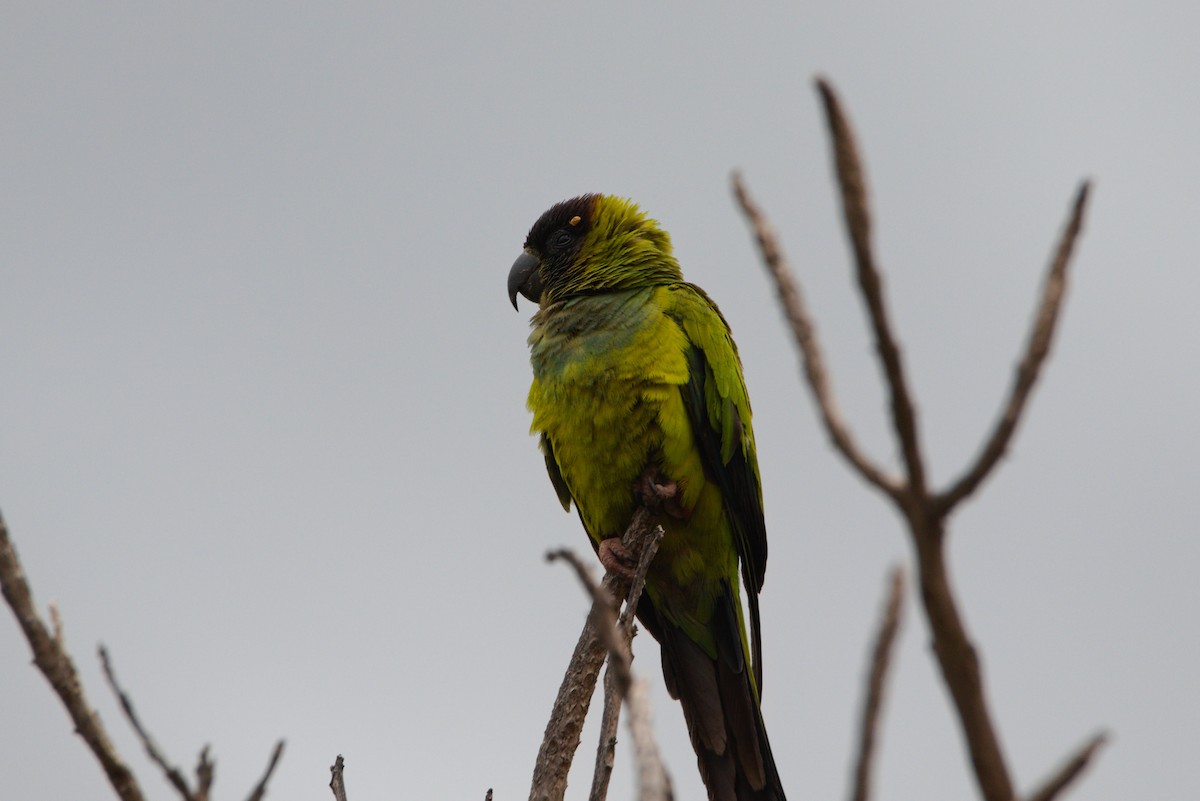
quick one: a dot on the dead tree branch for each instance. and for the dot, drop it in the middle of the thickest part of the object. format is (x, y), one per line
(51, 657)
(55, 664)
(205, 768)
(925, 511)
(873, 701)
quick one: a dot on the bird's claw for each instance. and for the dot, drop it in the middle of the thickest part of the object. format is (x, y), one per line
(616, 558)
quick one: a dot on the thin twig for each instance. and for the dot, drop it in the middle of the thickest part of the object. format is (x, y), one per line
(561, 738)
(52, 660)
(1031, 363)
(853, 186)
(173, 773)
(1070, 770)
(805, 332)
(337, 782)
(260, 789)
(873, 702)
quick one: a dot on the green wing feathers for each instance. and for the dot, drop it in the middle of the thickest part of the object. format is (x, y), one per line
(719, 409)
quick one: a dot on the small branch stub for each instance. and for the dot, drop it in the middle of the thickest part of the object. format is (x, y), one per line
(337, 781)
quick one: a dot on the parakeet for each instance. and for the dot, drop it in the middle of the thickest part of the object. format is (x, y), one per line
(638, 393)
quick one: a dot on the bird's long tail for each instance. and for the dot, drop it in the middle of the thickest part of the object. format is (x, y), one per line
(721, 708)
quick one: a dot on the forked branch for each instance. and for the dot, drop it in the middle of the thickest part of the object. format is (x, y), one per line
(51, 658)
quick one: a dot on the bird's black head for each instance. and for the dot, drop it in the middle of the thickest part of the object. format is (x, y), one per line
(552, 244)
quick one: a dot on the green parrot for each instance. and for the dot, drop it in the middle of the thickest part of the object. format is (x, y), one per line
(638, 398)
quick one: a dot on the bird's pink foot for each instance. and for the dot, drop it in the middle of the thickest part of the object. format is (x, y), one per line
(616, 558)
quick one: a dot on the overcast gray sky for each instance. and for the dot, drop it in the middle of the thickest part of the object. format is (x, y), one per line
(263, 426)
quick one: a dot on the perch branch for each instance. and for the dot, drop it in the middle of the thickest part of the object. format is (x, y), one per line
(613, 694)
(873, 702)
(55, 664)
(1031, 364)
(653, 782)
(561, 737)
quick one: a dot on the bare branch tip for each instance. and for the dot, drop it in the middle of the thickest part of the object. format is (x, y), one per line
(1071, 769)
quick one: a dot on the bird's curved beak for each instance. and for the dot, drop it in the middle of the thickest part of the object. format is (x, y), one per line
(524, 278)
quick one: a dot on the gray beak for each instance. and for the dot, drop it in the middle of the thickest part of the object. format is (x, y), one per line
(524, 278)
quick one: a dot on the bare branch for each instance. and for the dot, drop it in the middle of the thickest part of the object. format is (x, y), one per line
(873, 703)
(174, 774)
(1071, 770)
(805, 332)
(561, 737)
(337, 781)
(858, 224)
(260, 789)
(1035, 355)
(55, 664)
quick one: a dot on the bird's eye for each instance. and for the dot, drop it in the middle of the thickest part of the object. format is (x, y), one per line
(560, 239)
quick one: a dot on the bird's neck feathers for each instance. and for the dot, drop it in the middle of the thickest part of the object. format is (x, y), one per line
(623, 249)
